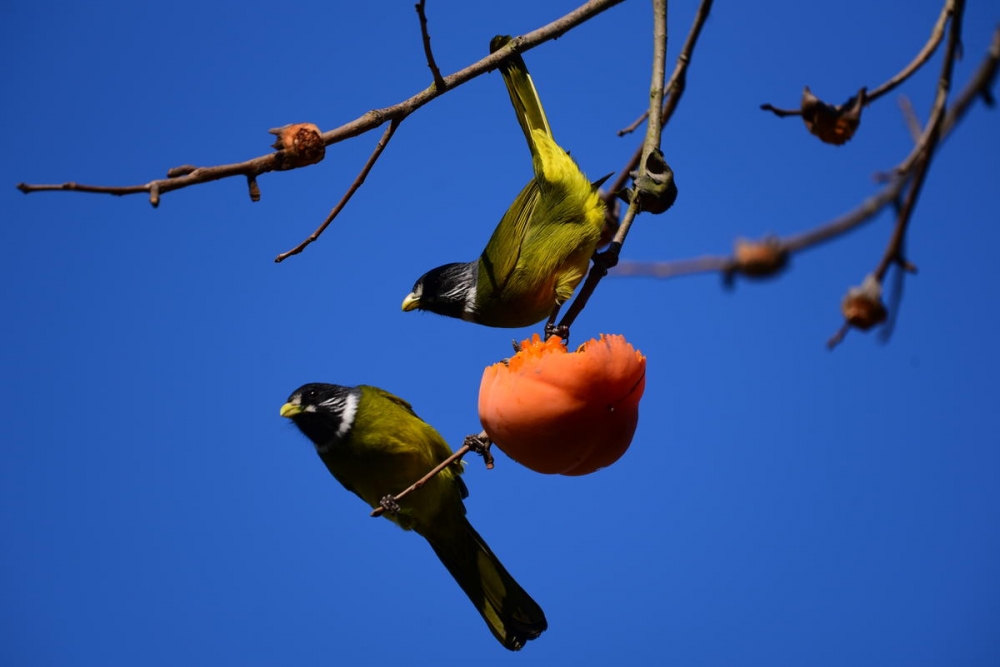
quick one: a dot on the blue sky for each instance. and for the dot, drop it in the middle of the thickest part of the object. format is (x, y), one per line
(780, 504)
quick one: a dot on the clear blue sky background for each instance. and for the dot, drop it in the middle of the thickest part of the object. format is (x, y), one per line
(780, 504)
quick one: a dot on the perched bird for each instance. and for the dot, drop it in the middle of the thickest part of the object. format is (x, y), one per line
(542, 247)
(375, 445)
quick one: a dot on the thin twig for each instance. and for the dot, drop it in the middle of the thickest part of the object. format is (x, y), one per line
(674, 91)
(918, 61)
(602, 264)
(892, 305)
(683, 267)
(362, 175)
(780, 113)
(910, 117)
(250, 168)
(678, 80)
(435, 72)
(659, 70)
(634, 125)
(981, 86)
(937, 33)
(364, 123)
(845, 223)
(954, 9)
(929, 139)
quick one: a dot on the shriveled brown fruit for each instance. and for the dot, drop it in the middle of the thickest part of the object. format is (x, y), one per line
(863, 307)
(760, 259)
(832, 124)
(298, 144)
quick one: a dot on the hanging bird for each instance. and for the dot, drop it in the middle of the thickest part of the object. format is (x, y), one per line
(375, 445)
(542, 247)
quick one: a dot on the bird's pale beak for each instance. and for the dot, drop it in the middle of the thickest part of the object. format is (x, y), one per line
(290, 409)
(411, 302)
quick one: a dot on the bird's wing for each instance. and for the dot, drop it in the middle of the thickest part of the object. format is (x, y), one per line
(422, 437)
(503, 251)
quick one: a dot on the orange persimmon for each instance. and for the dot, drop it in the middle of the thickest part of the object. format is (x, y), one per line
(564, 412)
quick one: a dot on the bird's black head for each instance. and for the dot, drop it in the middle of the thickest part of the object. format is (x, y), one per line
(448, 290)
(323, 412)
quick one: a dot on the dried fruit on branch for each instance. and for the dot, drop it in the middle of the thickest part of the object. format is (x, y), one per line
(863, 307)
(832, 124)
(299, 144)
(760, 259)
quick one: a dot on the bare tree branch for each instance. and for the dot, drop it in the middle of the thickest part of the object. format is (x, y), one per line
(364, 123)
(607, 259)
(863, 307)
(675, 90)
(379, 147)
(978, 88)
(678, 80)
(937, 33)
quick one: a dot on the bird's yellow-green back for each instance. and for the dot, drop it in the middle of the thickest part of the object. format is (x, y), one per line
(388, 448)
(542, 247)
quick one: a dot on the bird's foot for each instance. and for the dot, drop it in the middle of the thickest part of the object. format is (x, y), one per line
(389, 504)
(608, 259)
(561, 330)
(480, 444)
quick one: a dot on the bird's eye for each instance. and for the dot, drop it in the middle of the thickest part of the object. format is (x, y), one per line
(310, 395)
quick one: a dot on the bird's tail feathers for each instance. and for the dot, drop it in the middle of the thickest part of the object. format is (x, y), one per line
(511, 614)
(523, 94)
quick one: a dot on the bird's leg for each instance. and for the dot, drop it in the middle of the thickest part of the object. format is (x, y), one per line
(389, 504)
(480, 444)
(603, 262)
(553, 329)
(608, 259)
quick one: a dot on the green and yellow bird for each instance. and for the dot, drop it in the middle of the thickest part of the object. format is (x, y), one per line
(374, 444)
(542, 247)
